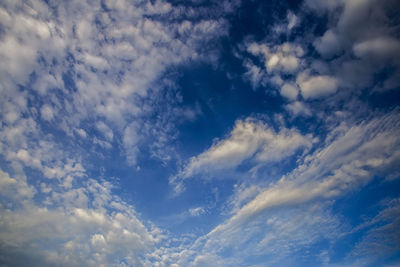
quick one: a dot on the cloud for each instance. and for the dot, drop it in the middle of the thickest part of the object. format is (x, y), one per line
(249, 140)
(292, 20)
(95, 61)
(349, 161)
(298, 108)
(317, 86)
(197, 211)
(380, 49)
(289, 91)
(380, 239)
(328, 45)
(88, 67)
(266, 240)
(363, 29)
(71, 236)
(106, 131)
(358, 42)
(52, 213)
(290, 215)
(284, 58)
(323, 6)
(47, 113)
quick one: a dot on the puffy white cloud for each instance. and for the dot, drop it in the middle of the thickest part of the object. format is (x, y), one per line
(74, 236)
(47, 113)
(249, 140)
(317, 86)
(363, 29)
(289, 91)
(279, 58)
(359, 41)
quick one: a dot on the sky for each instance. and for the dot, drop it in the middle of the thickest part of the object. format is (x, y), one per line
(199, 133)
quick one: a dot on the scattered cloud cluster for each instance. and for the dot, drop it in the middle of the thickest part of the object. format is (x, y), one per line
(87, 80)
(82, 225)
(76, 75)
(359, 42)
(94, 61)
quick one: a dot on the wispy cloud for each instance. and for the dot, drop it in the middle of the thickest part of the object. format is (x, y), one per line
(349, 159)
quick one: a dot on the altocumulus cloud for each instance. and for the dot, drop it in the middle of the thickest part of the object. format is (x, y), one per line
(81, 67)
(188, 133)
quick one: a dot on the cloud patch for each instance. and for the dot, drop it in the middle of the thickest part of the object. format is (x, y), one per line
(250, 140)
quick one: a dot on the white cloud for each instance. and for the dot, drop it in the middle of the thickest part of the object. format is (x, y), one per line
(249, 140)
(197, 211)
(382, 49)
(317, 86)
(380, 238)
(106, 131)
(47, 112)
(359, 41)
(363, 29)
(298, 108)
(289, 91)
(80, 225)
(292, 20)
(130, 141)
(254, 74)
(328, 45)
(104, 56)
(295, 212)
(349, 161)
(279, 58)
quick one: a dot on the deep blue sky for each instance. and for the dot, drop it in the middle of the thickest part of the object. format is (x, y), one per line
(199, 133)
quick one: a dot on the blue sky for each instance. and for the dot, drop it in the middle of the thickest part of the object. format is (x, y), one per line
(199, 133)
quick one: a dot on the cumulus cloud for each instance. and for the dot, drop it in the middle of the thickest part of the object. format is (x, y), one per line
(289, 91)
(284, 58)
(47, 113)
(358, 42)
(363, 29)
(317, 86)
